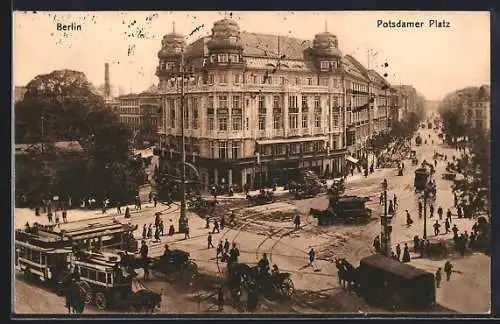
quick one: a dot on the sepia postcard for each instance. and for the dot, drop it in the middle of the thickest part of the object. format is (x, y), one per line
(272, 162)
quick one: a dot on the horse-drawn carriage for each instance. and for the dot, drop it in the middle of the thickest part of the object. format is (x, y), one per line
(386, 282)
(396, 284)
(346, 209)
(243, 278)
(176, 266)
(262, 198)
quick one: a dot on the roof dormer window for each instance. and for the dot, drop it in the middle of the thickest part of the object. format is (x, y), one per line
(223, 58)
(325, 65)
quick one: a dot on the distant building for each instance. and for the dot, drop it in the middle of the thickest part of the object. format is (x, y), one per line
(19, 93)
(142, 113)
(408, 97)
(478, 108)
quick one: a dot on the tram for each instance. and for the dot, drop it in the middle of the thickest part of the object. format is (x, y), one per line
(44, 253)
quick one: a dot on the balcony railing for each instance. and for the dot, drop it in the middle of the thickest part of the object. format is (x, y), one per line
(319, 130)
(278, 132)
(293, 132)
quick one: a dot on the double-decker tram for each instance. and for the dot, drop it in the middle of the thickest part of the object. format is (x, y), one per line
(44, 252)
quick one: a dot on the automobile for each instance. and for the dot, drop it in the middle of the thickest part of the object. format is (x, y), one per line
(346, 209)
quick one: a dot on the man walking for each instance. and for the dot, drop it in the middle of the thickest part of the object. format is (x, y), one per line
(448, 268)
(296, 221)
(209, 240)
(143, 252)
(312, 255)
(438, 277)
(436, 228)
(216, 227)
(226, 246)
(234, 253)
(162, 228)
(440, 212)
(406, 254)
(447, 226)
(431, 210)
(448, 215)
(398, 251)
(219, 249)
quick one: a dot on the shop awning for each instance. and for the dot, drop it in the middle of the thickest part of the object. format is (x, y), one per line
(351, 159)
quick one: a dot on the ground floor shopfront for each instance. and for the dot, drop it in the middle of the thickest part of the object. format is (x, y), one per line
(261, 172)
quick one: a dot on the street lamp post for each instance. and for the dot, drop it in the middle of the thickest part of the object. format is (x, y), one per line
(183, 221)
(386, 227)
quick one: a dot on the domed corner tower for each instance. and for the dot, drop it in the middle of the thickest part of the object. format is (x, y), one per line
(326, 52)
(225, 47)
(170, 54)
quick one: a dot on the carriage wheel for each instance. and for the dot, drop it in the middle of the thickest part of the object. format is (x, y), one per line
(86, 291)
(100, 301)
(287, 287)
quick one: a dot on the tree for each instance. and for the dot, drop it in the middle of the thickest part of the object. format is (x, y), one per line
(454, 114)
(112, 171)
(62, 99)
(72, 111)
(474, 189)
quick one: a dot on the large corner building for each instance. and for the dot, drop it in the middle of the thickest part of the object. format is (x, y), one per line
(259, 108)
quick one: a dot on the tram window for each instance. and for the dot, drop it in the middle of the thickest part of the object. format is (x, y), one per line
(84, 272)
(43, 259)
(109, 278)
(101, 277)
(92, 275)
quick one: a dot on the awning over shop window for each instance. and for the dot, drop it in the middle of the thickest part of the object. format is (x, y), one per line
(351, 159)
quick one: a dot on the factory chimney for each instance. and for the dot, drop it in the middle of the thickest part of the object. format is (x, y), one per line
(107, 86)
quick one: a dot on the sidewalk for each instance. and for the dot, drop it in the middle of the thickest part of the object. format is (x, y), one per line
(23, 215)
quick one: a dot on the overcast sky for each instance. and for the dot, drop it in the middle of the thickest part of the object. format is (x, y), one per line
(434, 60)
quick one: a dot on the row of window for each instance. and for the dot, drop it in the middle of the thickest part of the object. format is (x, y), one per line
(225, 149)
(293, 148)
(95, 275)
(356, 86)
(252, 78)
(129, 110)
(224, 58)
(328, 65)
(191, 144)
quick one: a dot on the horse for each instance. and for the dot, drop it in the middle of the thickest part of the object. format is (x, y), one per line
(75, 298)
(346, 273)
